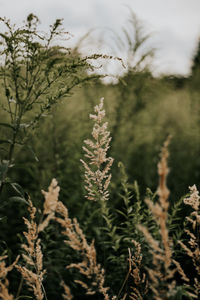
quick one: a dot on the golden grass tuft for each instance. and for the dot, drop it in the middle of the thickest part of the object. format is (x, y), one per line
(67, 292)
(140, 283)
(164, 267)
(4, 293)
(77, 241)
(50, 203)
(4, 283)
(191, 247)
(33, 272)
(97, 177)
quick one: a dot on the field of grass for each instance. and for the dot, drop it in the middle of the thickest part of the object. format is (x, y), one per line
(99, 196)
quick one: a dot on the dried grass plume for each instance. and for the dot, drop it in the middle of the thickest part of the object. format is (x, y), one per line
(97, 176)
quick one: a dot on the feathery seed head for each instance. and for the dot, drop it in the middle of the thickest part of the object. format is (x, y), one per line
(51, 197)
(33, 256)
(193, 199)
(97, 177)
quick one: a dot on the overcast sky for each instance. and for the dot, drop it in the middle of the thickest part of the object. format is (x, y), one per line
(175, 24)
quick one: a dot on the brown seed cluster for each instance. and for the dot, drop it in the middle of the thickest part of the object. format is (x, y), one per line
(33, 271)
(97, 177)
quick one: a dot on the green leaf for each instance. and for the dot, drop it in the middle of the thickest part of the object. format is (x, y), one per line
(18, 199)
(32, 152)
(130, 209)
(121, 213)
(17, 188)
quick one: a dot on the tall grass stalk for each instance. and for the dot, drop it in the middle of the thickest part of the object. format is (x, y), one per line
(33, 272)
(192, 227)
(97, 170)
(161, 274)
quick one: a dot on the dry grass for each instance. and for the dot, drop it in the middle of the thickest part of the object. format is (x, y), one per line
(140, 283)
(97, 177)
(50, 203)
(4, 292)
(33, 271)
(67, 292)
(76, 239)
(191, 247)
(159, 277)
(89, 266)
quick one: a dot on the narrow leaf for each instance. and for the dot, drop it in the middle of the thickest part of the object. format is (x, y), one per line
(17, 188)
(18, 199)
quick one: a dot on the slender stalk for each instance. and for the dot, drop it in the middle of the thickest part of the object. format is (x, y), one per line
(20, 286)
